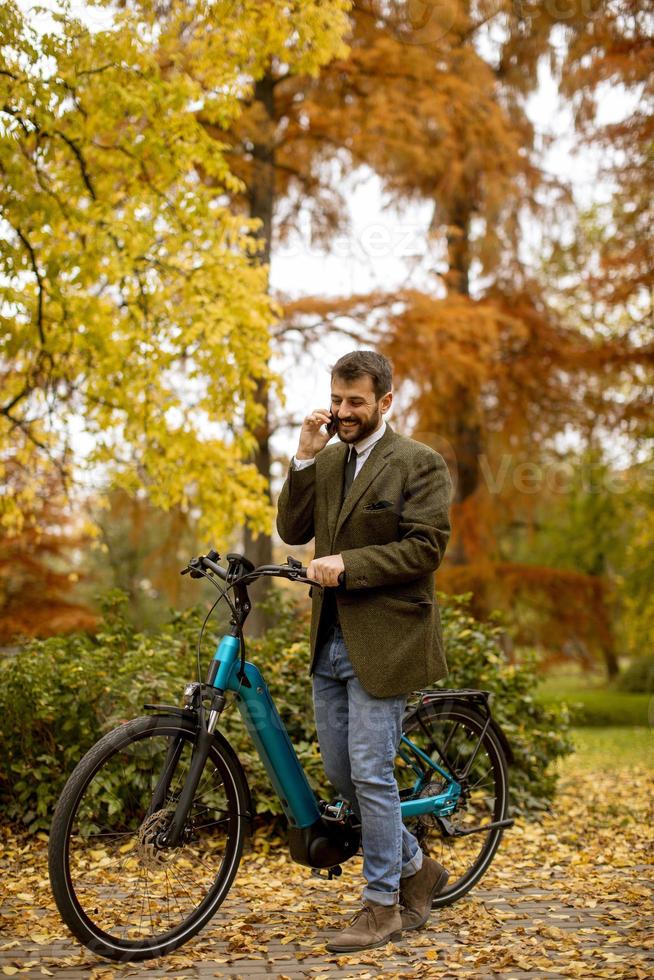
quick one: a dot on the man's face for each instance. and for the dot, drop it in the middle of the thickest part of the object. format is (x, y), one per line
(357, 411)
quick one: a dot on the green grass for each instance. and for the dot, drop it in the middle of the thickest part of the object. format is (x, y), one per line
(592, 702)
(612, 748)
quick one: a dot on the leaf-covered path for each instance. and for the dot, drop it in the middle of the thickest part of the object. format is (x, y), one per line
(570, 896)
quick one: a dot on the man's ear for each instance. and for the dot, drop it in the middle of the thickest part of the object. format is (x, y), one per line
(385, 402)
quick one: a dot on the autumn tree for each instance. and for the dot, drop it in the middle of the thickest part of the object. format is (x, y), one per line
(615, 51)
(499, 366)
(137, 177)
(604, 272)
(449, 128)
(424, 111)
(132, 301)
(418, 113)
(269, 150)
(399, 107)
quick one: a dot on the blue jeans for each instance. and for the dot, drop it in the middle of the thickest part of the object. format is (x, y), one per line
(359, 736)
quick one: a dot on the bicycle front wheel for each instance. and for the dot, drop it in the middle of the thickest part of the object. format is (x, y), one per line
(452, 734)
(120, 893)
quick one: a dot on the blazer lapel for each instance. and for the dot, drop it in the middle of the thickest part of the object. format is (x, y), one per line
(376, 462)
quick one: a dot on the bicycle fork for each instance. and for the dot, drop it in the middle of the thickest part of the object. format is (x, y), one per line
(204, 735)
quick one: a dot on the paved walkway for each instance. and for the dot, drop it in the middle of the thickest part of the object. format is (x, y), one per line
(567, 896)
(522, 931)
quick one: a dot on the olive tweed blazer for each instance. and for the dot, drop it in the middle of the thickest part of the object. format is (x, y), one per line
(391, 530)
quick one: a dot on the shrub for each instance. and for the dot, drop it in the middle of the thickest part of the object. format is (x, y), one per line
(638, 678)
(537, 733)
(57, 696)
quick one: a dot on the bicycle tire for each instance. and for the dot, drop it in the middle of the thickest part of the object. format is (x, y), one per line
(465, 858)
(101, 821)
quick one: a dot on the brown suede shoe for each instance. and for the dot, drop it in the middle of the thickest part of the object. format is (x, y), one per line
(418, 891)
(373, 925)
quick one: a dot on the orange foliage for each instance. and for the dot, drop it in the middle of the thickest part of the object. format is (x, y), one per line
(548, 608)
(36, 569)
(617, 48)
(424, 108)
(435, 103)
(490, 378)
(497, 376)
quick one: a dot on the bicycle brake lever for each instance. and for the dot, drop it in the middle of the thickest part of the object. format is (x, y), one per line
(193, 573)
(193, 567)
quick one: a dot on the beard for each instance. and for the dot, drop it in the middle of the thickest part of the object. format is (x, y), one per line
(362, 429)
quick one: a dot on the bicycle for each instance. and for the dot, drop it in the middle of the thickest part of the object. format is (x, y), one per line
(162, 803)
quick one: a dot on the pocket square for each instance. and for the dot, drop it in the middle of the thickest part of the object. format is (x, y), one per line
(378, 505)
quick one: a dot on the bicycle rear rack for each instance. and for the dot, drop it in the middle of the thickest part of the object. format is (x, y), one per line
(478, 698)
(454, 694)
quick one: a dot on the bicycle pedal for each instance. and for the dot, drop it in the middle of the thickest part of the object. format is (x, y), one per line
(336, 812)
(334, 872)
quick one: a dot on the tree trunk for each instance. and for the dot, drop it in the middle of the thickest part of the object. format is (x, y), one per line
(611, 663)
(261, 194)
(465, 433)
(466, 437)
(600, 569)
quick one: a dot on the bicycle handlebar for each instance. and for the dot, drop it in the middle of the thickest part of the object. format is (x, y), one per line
(295, 573)
(293, 570)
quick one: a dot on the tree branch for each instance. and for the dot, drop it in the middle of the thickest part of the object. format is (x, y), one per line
(17, 116)
(35, 268)
(80, 159)
(6, 409)
(24, 426)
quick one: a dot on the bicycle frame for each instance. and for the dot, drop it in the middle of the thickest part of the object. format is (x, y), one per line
(274, 746)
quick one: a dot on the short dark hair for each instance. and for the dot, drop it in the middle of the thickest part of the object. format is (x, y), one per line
(361, 362)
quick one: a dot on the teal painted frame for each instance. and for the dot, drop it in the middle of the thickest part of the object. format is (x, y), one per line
(276, 751)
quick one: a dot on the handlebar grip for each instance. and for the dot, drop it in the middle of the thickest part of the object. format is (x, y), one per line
(218, 569)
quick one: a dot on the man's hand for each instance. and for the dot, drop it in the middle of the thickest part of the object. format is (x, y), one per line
(313, 437)
(326, 570)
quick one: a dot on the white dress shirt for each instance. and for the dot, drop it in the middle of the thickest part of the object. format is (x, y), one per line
(363, 448)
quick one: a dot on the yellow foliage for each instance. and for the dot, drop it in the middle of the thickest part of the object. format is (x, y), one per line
(135, 317)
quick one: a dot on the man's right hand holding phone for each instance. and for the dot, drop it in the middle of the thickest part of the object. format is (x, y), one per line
(313, 437)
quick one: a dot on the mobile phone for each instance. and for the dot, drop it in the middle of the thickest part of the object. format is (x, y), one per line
(331, 426)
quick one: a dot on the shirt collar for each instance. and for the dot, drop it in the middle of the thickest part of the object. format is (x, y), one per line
(364, 444)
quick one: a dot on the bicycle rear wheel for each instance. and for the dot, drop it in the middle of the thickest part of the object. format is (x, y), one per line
(122, 895)
(449, 732)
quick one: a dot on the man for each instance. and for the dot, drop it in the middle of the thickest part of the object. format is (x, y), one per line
(377, 504)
